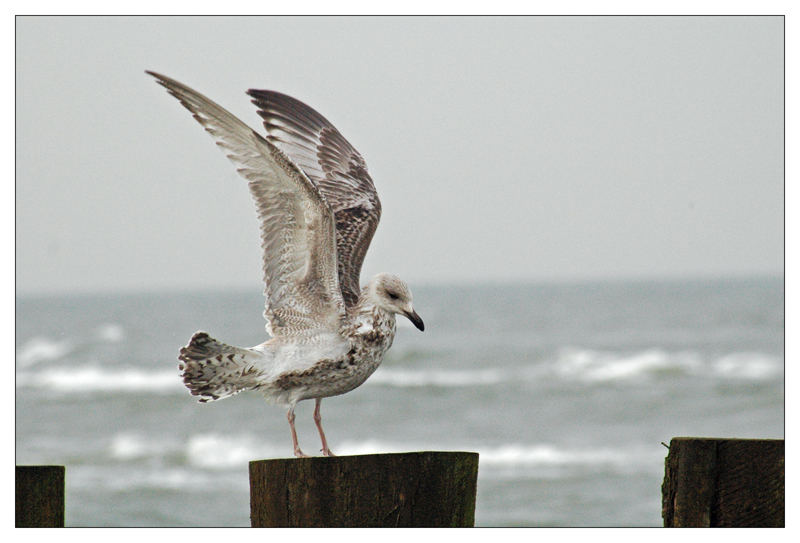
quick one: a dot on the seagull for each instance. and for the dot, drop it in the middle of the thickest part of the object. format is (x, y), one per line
(318, 210)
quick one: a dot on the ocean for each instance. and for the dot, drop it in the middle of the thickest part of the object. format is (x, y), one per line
(565, 390)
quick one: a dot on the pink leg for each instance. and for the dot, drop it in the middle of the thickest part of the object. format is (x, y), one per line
(318, 421)
(297, 452)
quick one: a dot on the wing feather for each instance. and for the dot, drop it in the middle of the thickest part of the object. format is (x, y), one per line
(336, 169)
(298, 234)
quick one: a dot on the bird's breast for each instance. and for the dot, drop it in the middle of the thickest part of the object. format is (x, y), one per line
(374, 334)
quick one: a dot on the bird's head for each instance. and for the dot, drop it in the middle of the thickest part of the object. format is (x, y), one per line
(391, 293)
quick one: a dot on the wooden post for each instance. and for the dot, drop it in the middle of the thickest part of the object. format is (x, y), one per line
(723, 482)
(40, 497)
(415, 489)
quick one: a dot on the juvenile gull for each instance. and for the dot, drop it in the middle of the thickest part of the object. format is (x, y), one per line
(318, 211)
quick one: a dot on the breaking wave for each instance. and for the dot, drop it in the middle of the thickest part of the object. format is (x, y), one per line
(602, 366)
(95, 378)
(40, 349)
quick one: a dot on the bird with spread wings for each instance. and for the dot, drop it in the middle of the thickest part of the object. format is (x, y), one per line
(318, 211)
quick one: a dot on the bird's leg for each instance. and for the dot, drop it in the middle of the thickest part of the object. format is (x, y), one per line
(318, 421)
(297, 452)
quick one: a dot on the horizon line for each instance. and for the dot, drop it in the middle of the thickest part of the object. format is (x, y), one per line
(501, 282)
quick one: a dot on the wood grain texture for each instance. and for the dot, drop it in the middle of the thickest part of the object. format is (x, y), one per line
(724, 483)
(39, 496)
(419, 489)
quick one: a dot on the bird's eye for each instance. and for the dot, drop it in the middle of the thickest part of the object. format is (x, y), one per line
(392, 295)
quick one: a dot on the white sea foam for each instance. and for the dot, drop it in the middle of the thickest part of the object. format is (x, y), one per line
(132, 446)
(552, 455)
(94, 378)
(591, 365)
(204, 450)
(601, 366)
(752, 366)
(217, 451)
(39, 349)
(127, 447)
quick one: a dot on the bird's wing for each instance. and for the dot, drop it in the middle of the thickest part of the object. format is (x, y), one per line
(297, 225)
(335, 168)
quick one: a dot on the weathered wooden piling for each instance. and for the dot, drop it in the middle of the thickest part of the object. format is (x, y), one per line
(416, 489)
(723, 482)
(39, 496)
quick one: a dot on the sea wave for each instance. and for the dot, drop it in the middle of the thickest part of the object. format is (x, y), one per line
(96, 378)
(601, 366)
(551, 455)
(217, 451)
(131, 446)
(569, 364)
(39, 349)
(44, 349)
(592, 365)
(747, 365)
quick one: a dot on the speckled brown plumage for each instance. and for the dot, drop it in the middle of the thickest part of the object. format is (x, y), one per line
(318, 211)
(335, 168)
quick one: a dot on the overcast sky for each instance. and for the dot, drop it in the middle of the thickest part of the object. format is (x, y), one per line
(503, 149)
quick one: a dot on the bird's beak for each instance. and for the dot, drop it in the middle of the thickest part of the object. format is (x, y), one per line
(415, 320)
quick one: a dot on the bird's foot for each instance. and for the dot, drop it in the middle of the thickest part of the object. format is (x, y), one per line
(327, 452)
(300, 454)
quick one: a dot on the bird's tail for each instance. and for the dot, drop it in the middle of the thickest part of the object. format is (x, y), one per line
(214, 370)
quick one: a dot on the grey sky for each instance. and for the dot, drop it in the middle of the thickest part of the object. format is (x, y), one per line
(502, 148)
